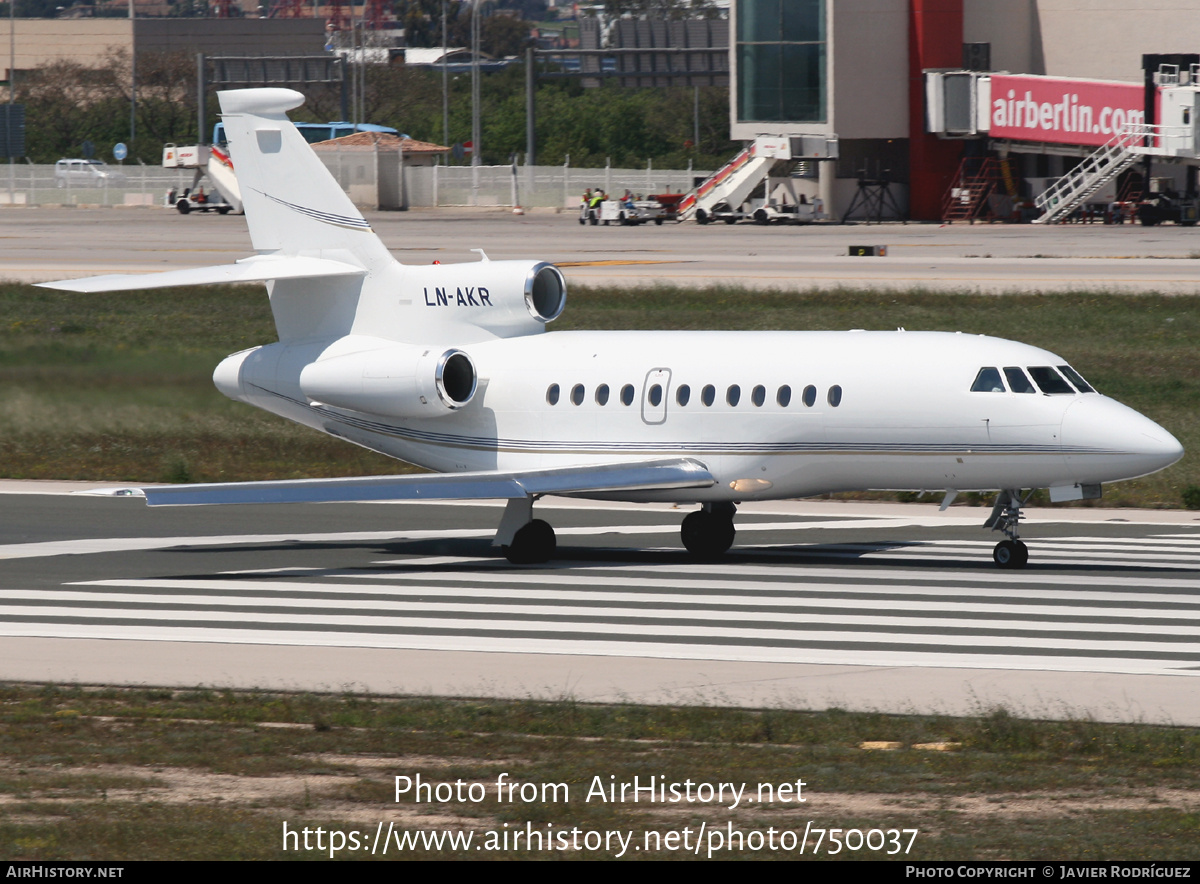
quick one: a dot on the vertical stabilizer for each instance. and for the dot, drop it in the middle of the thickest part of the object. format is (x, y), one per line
(293, 205)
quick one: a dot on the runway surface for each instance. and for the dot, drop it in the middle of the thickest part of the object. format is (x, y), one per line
(890, 608)
(860, 606)
(44, 244)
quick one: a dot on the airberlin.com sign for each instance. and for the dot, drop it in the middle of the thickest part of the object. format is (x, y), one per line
(1063, 111)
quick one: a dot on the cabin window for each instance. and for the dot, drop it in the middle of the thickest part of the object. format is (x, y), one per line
(1017, 382)
(1048, 380)
(758, 395)
(627, 394)
(835, 396)
(552, 394)
(733, 395)
(784, 396)
(602, 394)
(683, 394)
(1077, 379)
(656, 395)
(810, 396)
(577, 394)
(708, 395)
(988, 381)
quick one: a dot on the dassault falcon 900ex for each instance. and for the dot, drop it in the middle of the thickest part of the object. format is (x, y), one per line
(449, 367)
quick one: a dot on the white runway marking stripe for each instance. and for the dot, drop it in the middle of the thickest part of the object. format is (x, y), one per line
(328, 621)
(742, 589)
(769, 608)
(612, 604)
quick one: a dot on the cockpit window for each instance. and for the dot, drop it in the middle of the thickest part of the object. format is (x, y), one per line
(1017, 382)
(1048, 380)
(987, 381)
(1075, 378)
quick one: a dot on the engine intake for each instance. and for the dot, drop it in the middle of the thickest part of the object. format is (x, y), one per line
(545, 292)
(400, 380)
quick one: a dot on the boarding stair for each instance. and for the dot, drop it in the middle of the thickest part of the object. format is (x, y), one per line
(978, 178)
(1071, 190)
(733, 183)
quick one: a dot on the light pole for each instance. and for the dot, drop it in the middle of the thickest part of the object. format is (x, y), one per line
(132, 75)
(475, 128)
(445, 84)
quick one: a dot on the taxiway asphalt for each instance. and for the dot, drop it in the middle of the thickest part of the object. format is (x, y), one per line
(861, 606)
(43, 244)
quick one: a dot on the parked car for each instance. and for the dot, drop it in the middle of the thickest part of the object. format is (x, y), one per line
(87, 173)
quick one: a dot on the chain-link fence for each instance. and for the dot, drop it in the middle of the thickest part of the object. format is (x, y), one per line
(372, 182)
(529, 186)
(24, 184)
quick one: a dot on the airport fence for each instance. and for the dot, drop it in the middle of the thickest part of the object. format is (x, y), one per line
(530, 186)
(377, 178)
(372, 182)
(27, 184)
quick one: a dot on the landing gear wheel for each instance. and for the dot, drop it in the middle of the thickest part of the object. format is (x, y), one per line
(533, 544)
(1010, 554)
(707, 535)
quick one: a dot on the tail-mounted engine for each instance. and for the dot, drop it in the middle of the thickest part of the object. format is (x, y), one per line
(400, 380)
(506, 298)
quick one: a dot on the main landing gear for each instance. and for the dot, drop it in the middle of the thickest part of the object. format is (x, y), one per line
(708, 533)
(524, 539)
(1006, 514)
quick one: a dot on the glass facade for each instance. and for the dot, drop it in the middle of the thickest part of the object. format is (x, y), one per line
(781, 61)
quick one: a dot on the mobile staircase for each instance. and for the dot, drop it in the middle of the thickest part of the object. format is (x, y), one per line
(733, 183)
(978, 179)
(1114, 157)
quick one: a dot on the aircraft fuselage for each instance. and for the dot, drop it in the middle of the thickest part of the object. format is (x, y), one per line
(771, 414)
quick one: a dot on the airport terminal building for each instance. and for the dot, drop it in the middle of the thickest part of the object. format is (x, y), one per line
(852, 75)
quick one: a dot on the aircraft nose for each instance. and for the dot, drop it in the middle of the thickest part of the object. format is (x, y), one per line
(1132, 440)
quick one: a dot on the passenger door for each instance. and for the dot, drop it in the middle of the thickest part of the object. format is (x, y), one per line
(654, 395)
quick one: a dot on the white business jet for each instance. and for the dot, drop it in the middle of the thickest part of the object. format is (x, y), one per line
(449, 367)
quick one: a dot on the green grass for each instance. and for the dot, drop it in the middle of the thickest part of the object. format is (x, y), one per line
(118, 386)
(86, 770)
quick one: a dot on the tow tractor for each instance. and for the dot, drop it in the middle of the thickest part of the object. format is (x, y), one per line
(1165, 204)
(632, 211)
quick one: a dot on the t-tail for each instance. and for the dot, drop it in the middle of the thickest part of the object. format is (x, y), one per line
(329, 277)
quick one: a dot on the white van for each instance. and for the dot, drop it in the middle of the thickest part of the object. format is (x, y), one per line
(86, 173)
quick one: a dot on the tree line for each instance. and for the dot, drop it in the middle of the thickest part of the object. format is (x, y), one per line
(68, 104)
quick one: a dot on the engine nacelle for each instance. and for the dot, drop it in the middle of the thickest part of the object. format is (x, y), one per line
(507, 298)
(399, 380)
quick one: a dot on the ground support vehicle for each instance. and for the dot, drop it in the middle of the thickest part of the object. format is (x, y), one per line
(223, 195)
(1168, 206)
(632, 212)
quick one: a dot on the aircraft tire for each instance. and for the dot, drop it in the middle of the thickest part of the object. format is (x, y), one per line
(1010, 554)
(533, 544)
(705, 535)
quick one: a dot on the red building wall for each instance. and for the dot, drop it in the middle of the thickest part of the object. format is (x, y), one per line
(935, 38)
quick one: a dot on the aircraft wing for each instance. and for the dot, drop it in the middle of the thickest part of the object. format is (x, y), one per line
(259, 268)
(654, 475)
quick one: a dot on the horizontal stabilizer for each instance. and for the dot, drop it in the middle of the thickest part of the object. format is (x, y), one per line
(654, 475)
(260, 268)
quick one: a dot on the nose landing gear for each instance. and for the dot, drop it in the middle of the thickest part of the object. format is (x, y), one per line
(1006, 515)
